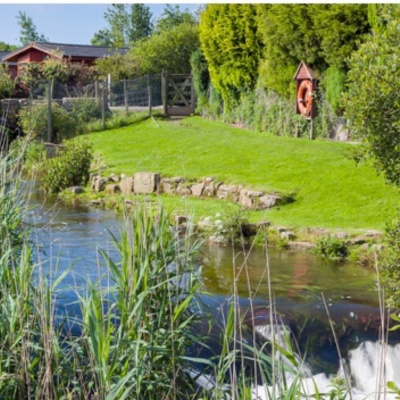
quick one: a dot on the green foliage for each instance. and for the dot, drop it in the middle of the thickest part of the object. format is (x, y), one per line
(389, 266)
(7, 47)
(331, 247)
(127, 24)
(70, 168)
(28, 30)
(172, 16)
(63, 72)
(334, 84)
(339, 28)
(231, 45)
(85, 109)
(140, 23)
(321, 35)
(119, 66)
(201, 78)
(288, 38)
(34, 121)
(372, 104)
(117, 120)
(6, 83)
(170, 50)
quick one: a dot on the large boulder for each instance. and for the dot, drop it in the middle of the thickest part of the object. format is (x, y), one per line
(197, 189)
(112, 188)
(126, 185)
(269, 200)
(146, 182)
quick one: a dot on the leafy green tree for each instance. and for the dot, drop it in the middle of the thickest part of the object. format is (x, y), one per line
(102, 38)
(7, 47)
(232, 47)
(125, 25)
(170, 50)
(28, 30)
(321, 35)
(140, 23)
(373, 100)
(339, 28)
(288, 37)
(201, 77)
(173, 16)
(118, 66)
(117, 18)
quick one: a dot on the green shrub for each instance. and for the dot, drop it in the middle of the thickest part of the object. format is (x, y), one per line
(86, 109)
(331, 247)
(201, 78)
(34, 121)
(334, 83)
(390, 265)
(70, 168)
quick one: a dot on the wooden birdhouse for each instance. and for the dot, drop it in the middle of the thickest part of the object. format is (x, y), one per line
(306, 88)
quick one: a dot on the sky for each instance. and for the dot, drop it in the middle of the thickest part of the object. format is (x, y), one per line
(63, 23)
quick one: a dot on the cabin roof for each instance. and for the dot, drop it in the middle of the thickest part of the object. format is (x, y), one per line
(67, 50)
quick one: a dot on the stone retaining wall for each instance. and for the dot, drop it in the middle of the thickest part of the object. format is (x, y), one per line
(150, 182)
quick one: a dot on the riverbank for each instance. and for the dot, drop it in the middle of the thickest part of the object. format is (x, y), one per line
(330, 191)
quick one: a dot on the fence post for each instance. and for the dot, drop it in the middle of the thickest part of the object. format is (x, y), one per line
(49, 98)
(164, 91)
(192, 93)
(103, 105)
(150, 105)
(109, 90)
(96, 89)
(126, 98)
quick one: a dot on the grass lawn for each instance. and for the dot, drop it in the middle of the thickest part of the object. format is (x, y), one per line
(330, 190)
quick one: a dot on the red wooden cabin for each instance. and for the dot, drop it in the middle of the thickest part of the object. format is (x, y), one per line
(38, 51)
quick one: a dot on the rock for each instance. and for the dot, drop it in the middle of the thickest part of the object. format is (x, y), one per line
(208, 179)
(209, 190)
(287, 235)
(166, 186)
(126, 185)
(356, 241)
(95, 202)
(269, 200)
(112, 189)
(301, 245)
(341, 235)
(99, 184)
(281, 229)
(262, 225)
(183, 190)
(177, 179)
(246, 201)
(197, 189)
(76, 189)
(113, 178)
(228, 192)
(146, 182)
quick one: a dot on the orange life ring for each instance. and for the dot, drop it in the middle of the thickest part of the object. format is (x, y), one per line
(304, 98)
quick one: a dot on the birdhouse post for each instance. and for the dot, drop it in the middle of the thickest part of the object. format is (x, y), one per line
(306, 89)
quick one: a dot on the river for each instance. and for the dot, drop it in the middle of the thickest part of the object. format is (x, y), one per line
(70, 236)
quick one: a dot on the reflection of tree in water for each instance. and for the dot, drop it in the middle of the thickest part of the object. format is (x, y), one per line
(300, 277)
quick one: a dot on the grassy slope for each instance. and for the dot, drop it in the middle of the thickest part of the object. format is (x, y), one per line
(331, 191)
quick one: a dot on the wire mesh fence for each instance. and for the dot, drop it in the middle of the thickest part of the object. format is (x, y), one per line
(138, 94)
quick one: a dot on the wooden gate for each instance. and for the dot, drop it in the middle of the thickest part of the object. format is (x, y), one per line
(178, 94)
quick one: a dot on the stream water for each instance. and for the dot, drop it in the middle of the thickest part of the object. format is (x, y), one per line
(70, 236)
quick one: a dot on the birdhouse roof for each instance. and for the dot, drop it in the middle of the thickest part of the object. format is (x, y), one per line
(305, 72)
